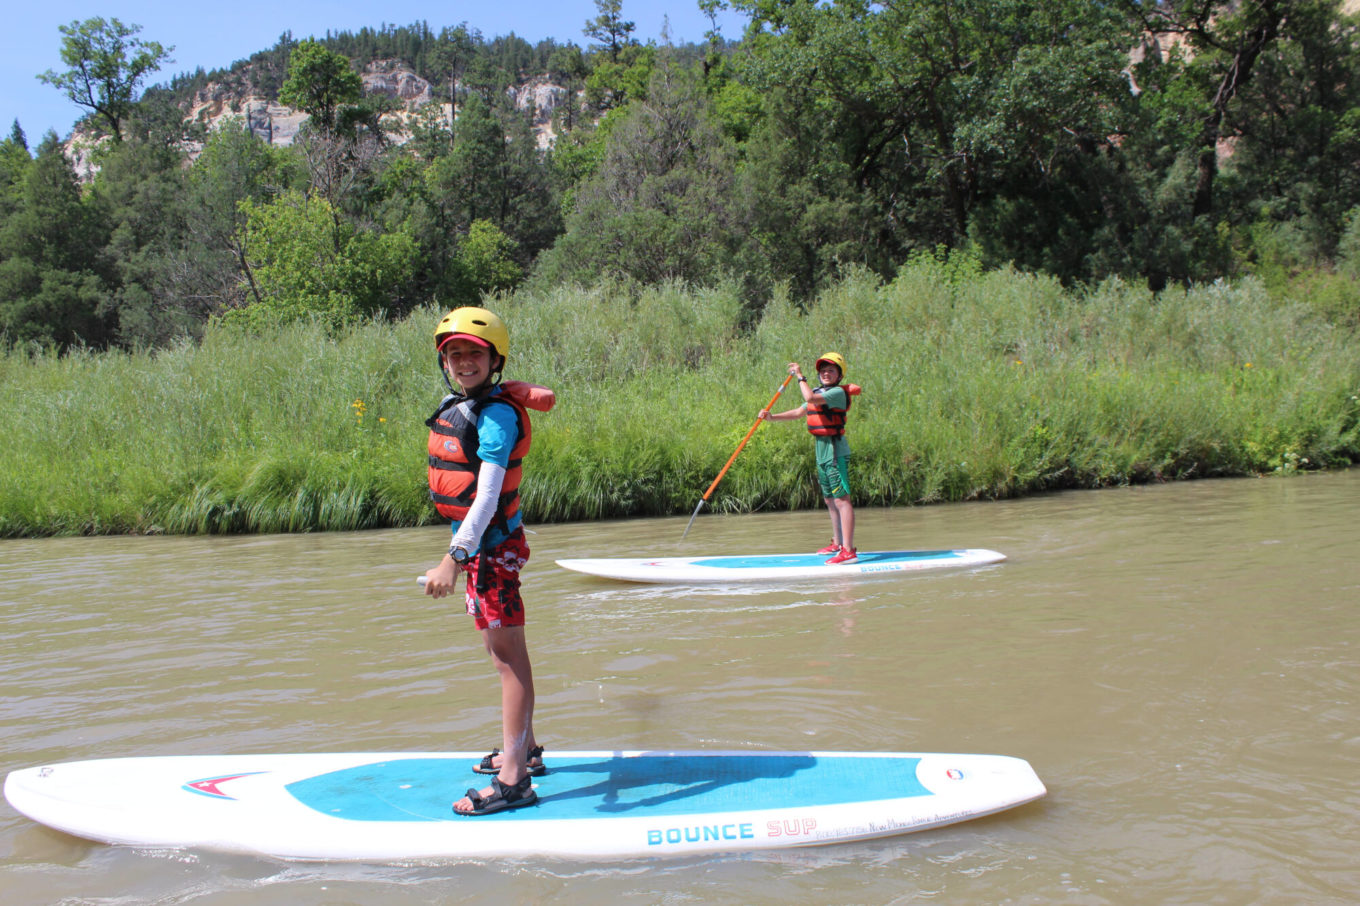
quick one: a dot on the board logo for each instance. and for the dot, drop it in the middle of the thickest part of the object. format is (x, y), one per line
(699, 833)
(209, 786)
(795, 827)
(954, 774)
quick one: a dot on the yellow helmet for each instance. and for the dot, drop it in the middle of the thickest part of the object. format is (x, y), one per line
(477, 324)
(835, 359)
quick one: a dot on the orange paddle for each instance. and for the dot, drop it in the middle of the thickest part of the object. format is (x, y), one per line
(733, 457)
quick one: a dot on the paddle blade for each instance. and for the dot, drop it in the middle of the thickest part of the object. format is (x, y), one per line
(697, 507)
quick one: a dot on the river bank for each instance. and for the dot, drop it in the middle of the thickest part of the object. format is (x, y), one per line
(977, 385)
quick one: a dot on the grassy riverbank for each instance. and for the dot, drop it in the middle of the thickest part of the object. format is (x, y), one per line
(977, 385)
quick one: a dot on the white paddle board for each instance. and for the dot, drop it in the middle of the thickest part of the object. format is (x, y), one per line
(392, 807)
(776, 567)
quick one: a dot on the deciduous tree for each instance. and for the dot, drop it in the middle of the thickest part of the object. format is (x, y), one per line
(320, 83)
(307, 262)
(108, 64)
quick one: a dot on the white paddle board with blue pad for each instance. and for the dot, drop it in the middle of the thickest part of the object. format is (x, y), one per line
(776, 567)
(394, 807)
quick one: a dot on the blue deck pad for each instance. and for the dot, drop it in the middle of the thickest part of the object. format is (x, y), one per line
(767, 561)
(424, 789)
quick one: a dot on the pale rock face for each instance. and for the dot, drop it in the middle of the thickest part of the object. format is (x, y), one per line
(79, 150)
(278, 125)
(543, 98)
(394, 79)
(268, 120)
(272, 122)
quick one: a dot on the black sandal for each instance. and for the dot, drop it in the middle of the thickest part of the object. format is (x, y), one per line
(488, 766)
(503, 796)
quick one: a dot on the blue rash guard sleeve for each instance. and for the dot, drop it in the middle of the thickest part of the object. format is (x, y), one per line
(497, 432)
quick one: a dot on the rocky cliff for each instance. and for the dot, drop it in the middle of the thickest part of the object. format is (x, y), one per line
(277, 124)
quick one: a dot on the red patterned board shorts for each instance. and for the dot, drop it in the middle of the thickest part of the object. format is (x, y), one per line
(500, 604)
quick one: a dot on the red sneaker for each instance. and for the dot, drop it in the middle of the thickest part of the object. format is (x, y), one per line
(832, 548)
(844, 555)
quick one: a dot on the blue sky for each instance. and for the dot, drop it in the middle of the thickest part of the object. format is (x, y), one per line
(214, 37)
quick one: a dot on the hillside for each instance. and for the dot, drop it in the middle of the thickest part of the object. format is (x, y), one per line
(411, 64)
(537, 96)
(859, 140)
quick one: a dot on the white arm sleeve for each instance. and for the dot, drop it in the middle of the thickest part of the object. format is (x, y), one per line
(490, 478)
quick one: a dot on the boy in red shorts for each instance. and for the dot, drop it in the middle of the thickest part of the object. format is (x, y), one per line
(478, 439)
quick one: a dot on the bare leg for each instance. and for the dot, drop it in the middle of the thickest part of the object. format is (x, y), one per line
(510, 656)
(835, 514)
(843, 519)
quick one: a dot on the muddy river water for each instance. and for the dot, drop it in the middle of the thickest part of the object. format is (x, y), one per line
(1178, 662)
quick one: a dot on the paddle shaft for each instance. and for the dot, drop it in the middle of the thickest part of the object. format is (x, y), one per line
(733, 458)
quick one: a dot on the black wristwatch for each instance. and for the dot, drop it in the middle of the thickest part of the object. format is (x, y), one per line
(459, 555)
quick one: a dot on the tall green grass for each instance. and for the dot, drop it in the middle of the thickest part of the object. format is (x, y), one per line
(976, 385)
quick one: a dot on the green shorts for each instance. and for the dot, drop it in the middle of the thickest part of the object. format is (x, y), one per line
(834, 477)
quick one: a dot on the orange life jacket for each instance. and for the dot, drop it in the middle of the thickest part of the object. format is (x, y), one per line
(530, 396)
(454, 462)
(824, 421)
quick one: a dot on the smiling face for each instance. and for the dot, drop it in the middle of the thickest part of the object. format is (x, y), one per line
(828, 373)
(466, 362)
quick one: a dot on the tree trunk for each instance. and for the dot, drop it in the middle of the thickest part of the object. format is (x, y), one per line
(1249, 49)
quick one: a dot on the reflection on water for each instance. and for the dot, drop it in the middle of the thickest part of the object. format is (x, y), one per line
(1178, 663)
